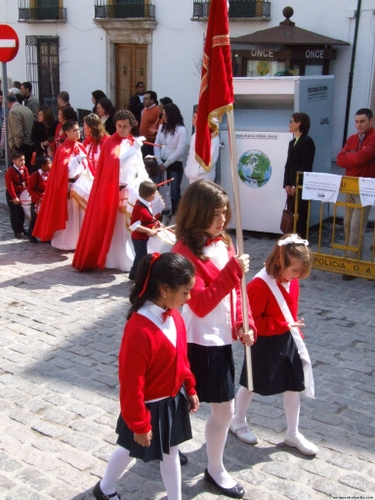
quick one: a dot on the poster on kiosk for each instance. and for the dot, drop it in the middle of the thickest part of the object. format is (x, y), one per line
(263, 109)
(260, 167)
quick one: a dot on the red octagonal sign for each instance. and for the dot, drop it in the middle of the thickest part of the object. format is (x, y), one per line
(9, 43)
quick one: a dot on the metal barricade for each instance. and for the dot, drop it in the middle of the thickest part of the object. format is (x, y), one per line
(329, 238)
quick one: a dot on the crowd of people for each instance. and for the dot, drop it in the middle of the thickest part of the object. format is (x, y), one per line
(170, 361)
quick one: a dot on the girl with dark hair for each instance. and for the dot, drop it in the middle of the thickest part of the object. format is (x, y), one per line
(213, 315)
(43, 131)
(162, 102)
(106, 110)
(301, 152)
(156, 384)
(281, 363)
(96, 95)
(172, 135)
(95, 136)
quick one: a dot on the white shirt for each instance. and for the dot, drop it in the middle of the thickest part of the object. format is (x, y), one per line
(193, 170)
(131, 163)
(174, 145)
(214, 329)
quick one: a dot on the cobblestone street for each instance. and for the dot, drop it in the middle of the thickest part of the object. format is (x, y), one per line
(60, 333)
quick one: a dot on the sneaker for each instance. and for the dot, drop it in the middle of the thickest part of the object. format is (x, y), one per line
(244, 433)
(301, 443)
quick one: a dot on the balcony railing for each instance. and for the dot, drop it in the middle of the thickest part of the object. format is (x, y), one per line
(238, 9)
(135, 10)
(45, 13)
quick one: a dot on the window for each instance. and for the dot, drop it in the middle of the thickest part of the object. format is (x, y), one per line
(124, 9)
(43, 67)
(41, 10)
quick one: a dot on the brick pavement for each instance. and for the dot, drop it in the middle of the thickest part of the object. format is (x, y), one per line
(60, 332)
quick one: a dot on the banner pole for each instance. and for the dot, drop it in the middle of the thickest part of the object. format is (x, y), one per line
(239, 238)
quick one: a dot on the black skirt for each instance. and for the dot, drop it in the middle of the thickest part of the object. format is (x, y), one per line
(170, 424)
(277, 366)
(213, 368)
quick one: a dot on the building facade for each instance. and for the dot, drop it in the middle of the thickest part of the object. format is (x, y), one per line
(85, 45)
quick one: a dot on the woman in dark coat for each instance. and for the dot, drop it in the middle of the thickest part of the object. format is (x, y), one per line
(43, 131)
(106, 111)
(300, 158)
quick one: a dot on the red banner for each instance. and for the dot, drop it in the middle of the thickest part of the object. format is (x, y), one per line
(216, 91)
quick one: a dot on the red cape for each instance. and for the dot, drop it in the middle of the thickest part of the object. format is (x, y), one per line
(92, 148)
(54, 209)
(98, 225)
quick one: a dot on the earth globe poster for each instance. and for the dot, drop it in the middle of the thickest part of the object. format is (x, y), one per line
(261, 158)
(254, 168)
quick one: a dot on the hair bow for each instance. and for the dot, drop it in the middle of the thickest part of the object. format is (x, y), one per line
(293, 239)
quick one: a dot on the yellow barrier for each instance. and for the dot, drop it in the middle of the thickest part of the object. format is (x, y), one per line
(329, 238)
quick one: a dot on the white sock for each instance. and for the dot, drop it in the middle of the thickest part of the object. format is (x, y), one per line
(117, 463)
(170, 469)
(243, 400)
(216, 435)
(292, 408)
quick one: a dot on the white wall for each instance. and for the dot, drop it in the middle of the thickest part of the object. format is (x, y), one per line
(177, 48)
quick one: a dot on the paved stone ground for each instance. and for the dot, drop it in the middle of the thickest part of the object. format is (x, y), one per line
(60, 333)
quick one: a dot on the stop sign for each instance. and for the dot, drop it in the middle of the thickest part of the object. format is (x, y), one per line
(9, 43)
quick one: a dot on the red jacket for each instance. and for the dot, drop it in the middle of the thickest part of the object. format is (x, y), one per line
(36, 187)
(15, 181)
(358, 162)
(268, 317)
(141, 213)
(212, 285)
(150, 367)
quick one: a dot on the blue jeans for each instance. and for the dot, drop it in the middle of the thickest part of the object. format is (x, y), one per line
(140, 249)
(175, 188)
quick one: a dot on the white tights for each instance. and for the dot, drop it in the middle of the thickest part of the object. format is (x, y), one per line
(216, 435)
(291, 406)
(170, 470)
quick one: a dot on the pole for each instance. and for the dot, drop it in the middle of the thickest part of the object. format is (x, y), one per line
(239, 237)
(6, 114)
(351, 73)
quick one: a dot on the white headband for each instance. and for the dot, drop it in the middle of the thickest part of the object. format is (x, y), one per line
(293, 238)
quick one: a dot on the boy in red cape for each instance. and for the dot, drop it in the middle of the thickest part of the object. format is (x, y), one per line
(60, 217)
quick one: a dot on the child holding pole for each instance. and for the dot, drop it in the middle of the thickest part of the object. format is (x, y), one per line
(213, 315)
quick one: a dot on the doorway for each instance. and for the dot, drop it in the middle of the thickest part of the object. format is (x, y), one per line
(131, 67)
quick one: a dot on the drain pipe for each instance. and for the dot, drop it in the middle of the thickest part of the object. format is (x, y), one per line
(351, 73)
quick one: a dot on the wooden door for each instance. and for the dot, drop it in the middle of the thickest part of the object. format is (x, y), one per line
(131, 67)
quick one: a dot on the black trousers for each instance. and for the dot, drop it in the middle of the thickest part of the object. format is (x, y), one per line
(17, 215)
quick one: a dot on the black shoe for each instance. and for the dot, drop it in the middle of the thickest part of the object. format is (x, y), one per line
(99, 495)
(32, 239)
(183, 458)
(348, 277)
(19, 236)
(236, 492)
